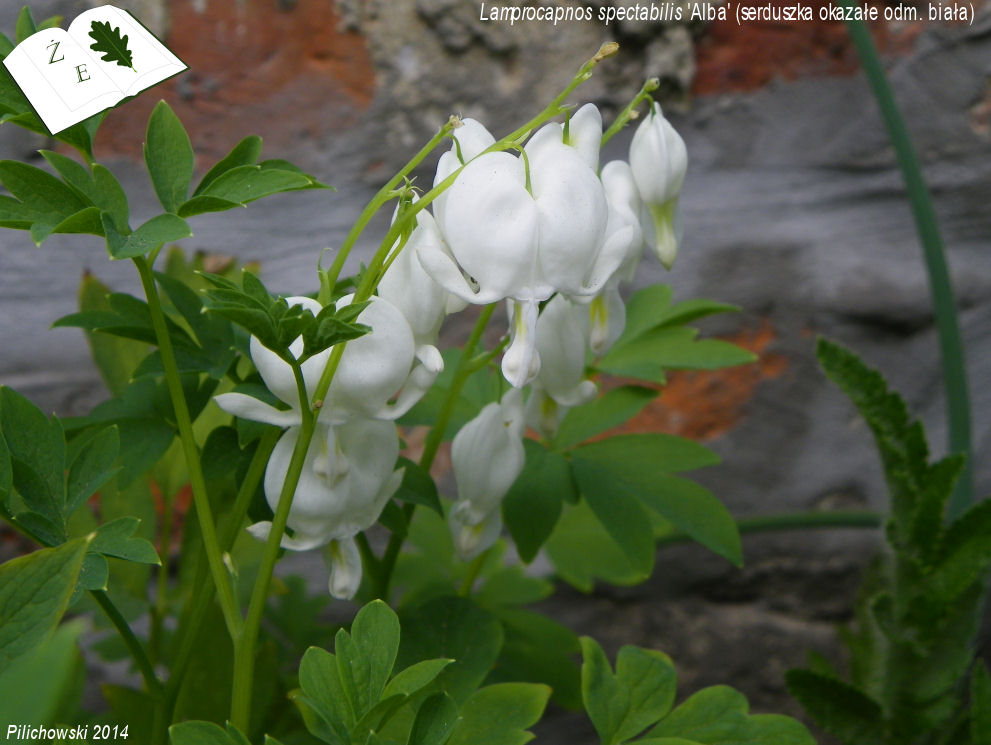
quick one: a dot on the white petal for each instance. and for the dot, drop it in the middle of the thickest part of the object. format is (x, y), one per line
(487, 455)
(248, 407)
(472, 540)
(299, 542)
(491, 226)
(573, 215)
(585, 134)
(345, 568)
(658, 158)
(521, 361)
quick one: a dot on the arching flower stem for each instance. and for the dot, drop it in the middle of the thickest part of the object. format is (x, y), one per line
(430, 447)
(628, 112)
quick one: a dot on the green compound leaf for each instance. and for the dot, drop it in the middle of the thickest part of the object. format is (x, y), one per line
(500, 714)
(34, 593)
(533, 504)
(623, 704)
(719, 716)
(980, 705)
(117, 539)
(108, 40)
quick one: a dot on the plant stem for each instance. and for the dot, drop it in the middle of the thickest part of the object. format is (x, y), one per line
(432, 444)
(650, 85)
(198, 484)
(199, 602)
(941, 289)
(793, 521)
(144, 665)
(246, 640)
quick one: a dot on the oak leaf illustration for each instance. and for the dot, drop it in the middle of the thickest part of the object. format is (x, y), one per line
(108, 40)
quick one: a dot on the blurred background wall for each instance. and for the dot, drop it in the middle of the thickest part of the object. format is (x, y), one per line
(793, 209)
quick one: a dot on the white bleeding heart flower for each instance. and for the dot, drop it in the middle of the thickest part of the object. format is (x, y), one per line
(347, 477)
(606, 319)
(406, 285)
(380, 366)
(560, 383)
(625, 208)
(523, 228)
(659, 161)
(487, 455)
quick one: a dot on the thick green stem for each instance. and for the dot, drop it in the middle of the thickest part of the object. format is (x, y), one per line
(432, 444)
(199, 603)
(941, 289)
(793, 521)
(201, 499)
(246, 641)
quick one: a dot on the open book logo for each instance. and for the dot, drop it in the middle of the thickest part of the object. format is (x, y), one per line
(109, 41)
(105, 56)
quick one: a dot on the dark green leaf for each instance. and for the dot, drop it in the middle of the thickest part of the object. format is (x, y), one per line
(244, 153)
(538, 649)
(472, 637)
(92, 467)
(617, 506)
(434, 722)
(93, 575)
(152, 234)
(331, 328)
(375, 638)
(980, 705)
(201, 205)
(418, 486)
(415, 678)
(109, 196)
(532, 506)
(6, 474)
(581, 551)
(37, 451)
(623, 704)
(6, 47)
(108, 41)
(199, 733)
(658, 452)
(719, 716)
(168, 156)
(644, 310)
(320, 681)
(33, 699)
(72, 172)
(25, 24)
(500, 714)
(221, 453)
(650, 354)
(243, 184)
(839, 709)
(34, 593)
(696, 511)
(117, 539)
(615, 407)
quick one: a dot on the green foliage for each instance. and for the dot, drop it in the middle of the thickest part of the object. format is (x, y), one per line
(348, 695)
(640, 695)
(719, 716)
(34, 593)
(108, 41)
(32, 699)
(655, 339)
(276, 324)
(918, 615)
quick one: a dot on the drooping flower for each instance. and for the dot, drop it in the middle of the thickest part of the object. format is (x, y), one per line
(522, 228)
(659, 161)
(347, 478)
(561, 382)
(487, 455)
(380, 375)
(406, 285)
